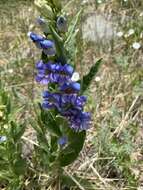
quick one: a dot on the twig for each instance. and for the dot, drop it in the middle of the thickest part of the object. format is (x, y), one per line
(100, 178)
(77, 183)
(122, 124)
(30, 141)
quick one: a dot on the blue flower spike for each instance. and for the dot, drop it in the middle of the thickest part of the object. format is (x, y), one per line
(64, 97)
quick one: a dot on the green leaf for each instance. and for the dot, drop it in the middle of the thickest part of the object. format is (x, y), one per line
(68, 181)
(59, 45)
(87, 79)
(19, 167)
(17, 131)
(72, 150)
(8, 106)
(71, 30)
(49, 122)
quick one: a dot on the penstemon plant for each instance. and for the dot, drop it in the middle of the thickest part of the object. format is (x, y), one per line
(61, 122)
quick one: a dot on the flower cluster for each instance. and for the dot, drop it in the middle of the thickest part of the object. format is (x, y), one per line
(53, 72)
(47, 46)
(64, 98)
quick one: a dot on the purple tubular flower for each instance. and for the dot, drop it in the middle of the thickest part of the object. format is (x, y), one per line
(47, 105)
(62, 141)
(66, 101)
(46, 94)
(35, 37)
(51, 73)
(42, 78)
(68, 69)
(48, 46)
(78, 119)
(80, 101)
(62, 102)
(81, 121)
(45, 44)
(73, 100)
(39, 65)
(72, 87)
(51, 100)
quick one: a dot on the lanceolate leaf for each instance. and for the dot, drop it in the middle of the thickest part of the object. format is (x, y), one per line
(72, 27)
(87, 79)
(59, 45)
(49, 122)
(75, 144)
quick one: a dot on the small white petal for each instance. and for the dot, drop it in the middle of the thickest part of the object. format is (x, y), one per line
(10, 70)
(31, 26)
(3, 138)
(28, 34)
(119, 34)
(136, 45)
(84, 2)
(75, 77)
(130, 32)
(141, 14)
(97, 79)
(126, 35)
(141, 35)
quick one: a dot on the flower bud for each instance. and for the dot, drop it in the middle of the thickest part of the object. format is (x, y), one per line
(43, 24)
(45, 9)
(62, 24)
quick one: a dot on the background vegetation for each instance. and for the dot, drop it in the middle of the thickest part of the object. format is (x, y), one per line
(113, 153)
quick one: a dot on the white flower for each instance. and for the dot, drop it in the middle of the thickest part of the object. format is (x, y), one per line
(141, 14)
(99, 1)
(75, 77)
(28, 34)
(97, 79)
(125, 0)
(84, 2)
(136, 45)
(10, 71)
(119, 34)
(141, 35)
(130, 32)
(126, 35)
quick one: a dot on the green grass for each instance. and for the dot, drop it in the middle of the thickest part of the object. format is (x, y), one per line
(113, 155)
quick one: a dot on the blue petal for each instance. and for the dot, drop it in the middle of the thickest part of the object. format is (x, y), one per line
(47, 44)
(45, 94)
(39, 65)
(62, 141)
(3, 138)
(70, 87)
(35, 37)
(68, 69)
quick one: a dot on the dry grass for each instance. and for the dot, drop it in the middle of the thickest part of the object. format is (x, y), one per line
(113, 154)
